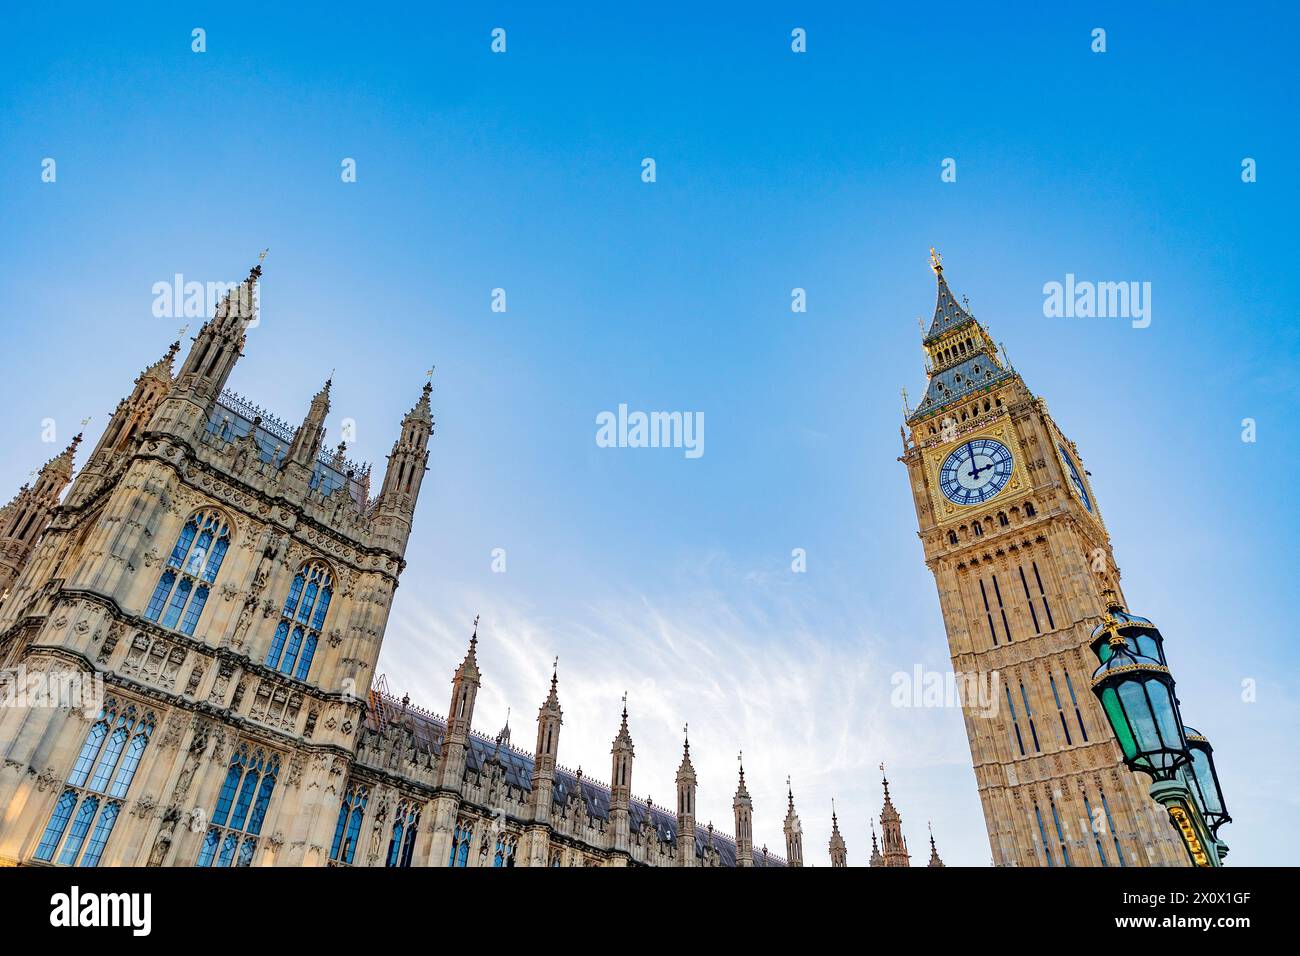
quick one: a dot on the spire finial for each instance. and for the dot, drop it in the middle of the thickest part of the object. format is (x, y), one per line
(936, 261)
(625, 706)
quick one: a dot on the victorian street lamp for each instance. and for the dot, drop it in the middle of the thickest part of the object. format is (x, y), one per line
(1136, 691)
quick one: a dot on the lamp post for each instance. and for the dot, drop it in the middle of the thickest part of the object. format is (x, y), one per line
(1203, 781)
(1136, 691)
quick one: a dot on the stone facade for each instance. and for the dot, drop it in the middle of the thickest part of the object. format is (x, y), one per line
(1020, 575)
(229, 581)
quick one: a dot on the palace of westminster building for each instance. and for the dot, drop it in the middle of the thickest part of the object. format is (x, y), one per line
(229, 581)
(226, 582)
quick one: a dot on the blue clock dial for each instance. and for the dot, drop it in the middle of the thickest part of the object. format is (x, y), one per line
(975, 471)
(1076, 478)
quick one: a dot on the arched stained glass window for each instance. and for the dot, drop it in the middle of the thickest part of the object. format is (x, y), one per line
(183, 587)
(112, 751)
(505, 850)
(351, 811)
(406, 823)
(296, 637)
(241, 807)
(460, 844)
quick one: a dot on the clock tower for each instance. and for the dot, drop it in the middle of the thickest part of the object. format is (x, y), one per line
(1015, 539)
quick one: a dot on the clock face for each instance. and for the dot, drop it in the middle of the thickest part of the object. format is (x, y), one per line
(976, 471)
(1076, 478)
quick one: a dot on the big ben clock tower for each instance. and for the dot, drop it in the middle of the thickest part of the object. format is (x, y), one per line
(1014, 536)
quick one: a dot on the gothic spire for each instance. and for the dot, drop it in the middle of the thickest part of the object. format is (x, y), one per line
(552, 703)
(62, 462)
(838, 848)
(307, 440)
(469, 666)
(162, 369)
(421, 411)
(963, 358)
(948, 313)
(793, 831)
(934, 853)
(891, 826)
(741, 791)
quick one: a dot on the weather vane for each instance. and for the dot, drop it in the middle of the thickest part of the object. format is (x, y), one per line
(261, 256)
(936, 260)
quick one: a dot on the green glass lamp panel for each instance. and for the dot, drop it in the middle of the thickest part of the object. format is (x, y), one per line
(1110, 702)
(1162, 703)
(1204, 775)
(1140, 718)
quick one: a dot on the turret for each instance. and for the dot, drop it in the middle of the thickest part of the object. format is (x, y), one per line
(407, 463)
(549, 719)
(460, 714)
(744, 808)
(839, 851)
(934, 852)
(686, 806)
(620, 786)
(307, 439)
(25, 517)
(206, 369)
(891, 831)
(793, 832)
(130, 416)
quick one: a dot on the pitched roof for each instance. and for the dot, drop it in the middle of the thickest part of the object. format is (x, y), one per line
(518, 764)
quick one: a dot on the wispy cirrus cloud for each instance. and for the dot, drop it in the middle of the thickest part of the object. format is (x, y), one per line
(755, 674)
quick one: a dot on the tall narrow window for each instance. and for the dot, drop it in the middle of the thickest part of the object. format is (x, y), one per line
(1020, 742)
(1042, 835)
(505, 850)
(346, 831)
(1075, 701)
(997, 592)
(1043, 596)
(1094, 824)
(1060, 833)
(406, 823)
(1060, 711)
(1029, 601)
(1110, 822)
(988, 613)
(237, 821)
(460, 841)
(183, 587)
(96, 786)
(1029, 716)
(294, 644)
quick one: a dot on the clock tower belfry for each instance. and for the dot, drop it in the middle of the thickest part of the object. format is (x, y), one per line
(1014, 537)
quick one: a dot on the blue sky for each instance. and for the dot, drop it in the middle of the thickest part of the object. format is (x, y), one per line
(643, 570)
